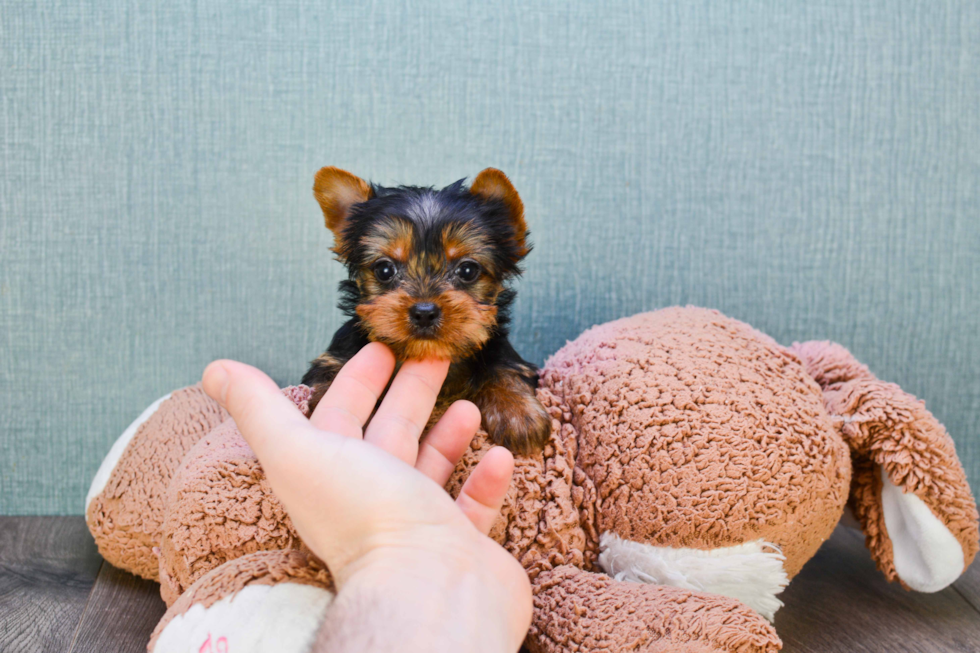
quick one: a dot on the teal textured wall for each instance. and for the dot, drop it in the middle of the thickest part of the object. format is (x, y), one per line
(812, 168)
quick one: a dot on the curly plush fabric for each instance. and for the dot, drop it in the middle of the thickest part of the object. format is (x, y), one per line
(678, 437)
(575, 610)
(126, 517)
(680, 428)
(220, 507)
(890, 429)
(695, 430)
(261, 568)
(543, 510)
(539, 519)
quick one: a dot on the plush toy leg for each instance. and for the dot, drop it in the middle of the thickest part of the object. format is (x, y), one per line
(125, 505)
(576, 610)
(219, 507)
(908, 490)
(266, 602)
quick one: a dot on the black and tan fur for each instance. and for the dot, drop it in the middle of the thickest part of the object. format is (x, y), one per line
(449, 254)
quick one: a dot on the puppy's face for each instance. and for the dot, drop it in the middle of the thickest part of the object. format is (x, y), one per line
(426, 267)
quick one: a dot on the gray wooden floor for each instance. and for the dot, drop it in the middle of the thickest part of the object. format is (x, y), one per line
(56, 594)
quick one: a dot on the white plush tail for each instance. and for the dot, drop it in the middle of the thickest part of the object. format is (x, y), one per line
(751, 572)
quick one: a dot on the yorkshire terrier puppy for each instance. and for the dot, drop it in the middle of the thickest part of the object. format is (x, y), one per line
(427, 275)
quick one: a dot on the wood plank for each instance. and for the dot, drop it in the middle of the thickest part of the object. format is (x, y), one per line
(122, 611)
(968, 584)
(48, 566)
(841, 603)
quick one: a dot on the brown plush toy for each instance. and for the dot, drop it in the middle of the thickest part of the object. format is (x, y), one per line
(694, 466)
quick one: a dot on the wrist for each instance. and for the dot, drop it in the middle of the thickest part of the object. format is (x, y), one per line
(422, 600)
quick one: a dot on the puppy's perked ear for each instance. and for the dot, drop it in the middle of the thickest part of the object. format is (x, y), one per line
(491, 184)
(337, 191)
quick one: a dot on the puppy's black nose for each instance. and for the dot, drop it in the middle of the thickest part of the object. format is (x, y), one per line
(424, 314)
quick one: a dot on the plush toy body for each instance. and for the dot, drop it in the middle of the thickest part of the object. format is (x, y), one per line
(694, 466)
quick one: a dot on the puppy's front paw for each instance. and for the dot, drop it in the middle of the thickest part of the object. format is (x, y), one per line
(321, 374)
(513, 417)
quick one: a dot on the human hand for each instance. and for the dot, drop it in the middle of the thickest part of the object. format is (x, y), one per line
(412, 567)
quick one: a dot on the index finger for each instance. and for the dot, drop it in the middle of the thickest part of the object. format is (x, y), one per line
(354, 392)
(264, 415)
(405, 410)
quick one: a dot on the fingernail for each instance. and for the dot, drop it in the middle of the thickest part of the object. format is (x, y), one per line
(216, 381)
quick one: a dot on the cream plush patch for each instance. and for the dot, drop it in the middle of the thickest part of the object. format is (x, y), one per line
(751, 572)
(258, 618)
(116, 452)
(927, 555)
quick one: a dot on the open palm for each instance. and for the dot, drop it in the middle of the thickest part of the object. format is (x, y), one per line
(369, 500)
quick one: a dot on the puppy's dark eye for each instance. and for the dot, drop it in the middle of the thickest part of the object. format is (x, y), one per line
(384, 270)
(468, 271)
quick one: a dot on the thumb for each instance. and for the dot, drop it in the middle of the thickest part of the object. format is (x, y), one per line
(264, 415)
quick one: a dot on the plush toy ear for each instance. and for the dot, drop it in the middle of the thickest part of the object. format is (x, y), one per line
(491, 184)
(908, 488)
(337, 191)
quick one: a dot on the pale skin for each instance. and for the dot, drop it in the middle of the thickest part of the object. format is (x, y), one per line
(415, 570)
